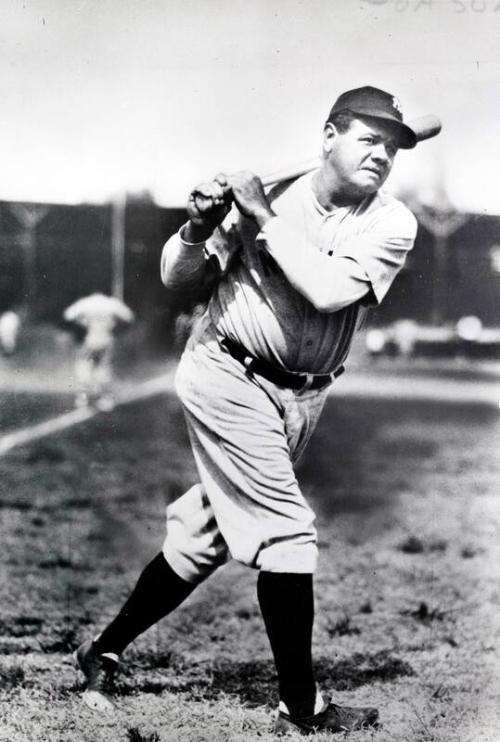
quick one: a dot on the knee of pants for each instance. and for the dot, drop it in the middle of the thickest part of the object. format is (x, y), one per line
(295, 554)
(193, 546)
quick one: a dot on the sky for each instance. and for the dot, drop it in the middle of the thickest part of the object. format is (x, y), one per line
(102, 96)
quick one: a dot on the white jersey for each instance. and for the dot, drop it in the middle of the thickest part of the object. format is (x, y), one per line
(294, 293)
(99, 315)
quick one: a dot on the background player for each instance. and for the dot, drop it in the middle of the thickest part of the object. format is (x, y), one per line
(98, 317)
(299, 268)
(10, 325)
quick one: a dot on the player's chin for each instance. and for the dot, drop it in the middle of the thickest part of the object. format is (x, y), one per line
(368, 182)
(360, 190)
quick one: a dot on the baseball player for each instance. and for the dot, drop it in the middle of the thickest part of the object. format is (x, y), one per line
(97, 316)
(298, 269)
(10, 324)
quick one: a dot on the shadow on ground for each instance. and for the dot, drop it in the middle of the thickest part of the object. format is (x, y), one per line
(254, 682)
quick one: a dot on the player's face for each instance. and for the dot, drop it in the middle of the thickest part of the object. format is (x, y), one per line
(360, 158)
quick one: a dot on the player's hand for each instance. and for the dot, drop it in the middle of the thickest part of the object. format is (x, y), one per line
(207, 206)
(249, 196)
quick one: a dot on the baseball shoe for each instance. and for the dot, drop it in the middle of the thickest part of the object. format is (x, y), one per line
(331, 718)
(99, 671)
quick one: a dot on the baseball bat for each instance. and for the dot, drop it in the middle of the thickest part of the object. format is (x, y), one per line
(425, 127)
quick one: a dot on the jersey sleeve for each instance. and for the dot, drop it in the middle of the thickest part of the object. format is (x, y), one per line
(382, 247)
(182, 265)
(362, 265)
(185, 265)
(75, 312)
(121, 311)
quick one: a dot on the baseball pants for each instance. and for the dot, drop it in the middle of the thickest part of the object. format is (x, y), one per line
(246, 433)
(93, 368)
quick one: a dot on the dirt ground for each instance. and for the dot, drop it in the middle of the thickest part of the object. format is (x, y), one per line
(405, 485)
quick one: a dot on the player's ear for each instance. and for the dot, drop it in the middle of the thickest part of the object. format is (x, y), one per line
(329, 134)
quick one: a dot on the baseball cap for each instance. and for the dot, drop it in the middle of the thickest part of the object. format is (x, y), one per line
(378, 104)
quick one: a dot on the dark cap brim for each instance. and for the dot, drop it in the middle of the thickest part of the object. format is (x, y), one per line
(407, 139)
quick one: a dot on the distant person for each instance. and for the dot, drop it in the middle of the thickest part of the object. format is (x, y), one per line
(98, 317)
(10, 324)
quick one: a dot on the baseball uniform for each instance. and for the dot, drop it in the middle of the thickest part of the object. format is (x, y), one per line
(290, 295)
(10, 324)
(294, 281)
(98, 315)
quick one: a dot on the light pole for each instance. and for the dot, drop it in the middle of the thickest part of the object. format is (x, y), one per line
(118, 210)
(29, 217)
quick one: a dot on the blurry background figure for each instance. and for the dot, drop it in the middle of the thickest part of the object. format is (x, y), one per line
(10, 323)
(405, 336)
(97, 317)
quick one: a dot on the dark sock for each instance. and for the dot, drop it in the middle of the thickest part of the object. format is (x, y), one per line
(158, 591)
(287, 604)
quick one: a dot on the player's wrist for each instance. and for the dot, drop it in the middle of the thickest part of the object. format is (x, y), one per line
(195, 234)
(262, 216)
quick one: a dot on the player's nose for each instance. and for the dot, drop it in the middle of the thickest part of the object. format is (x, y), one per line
(381, 154)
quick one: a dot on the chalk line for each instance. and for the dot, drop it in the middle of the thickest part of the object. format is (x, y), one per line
(148, 388)
(421, 389)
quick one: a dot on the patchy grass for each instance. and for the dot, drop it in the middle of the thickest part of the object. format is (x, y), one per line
(11, 676)
(18, 410)
(407, 590)
(134, 735)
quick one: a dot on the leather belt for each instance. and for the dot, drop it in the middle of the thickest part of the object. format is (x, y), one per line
(299, 382)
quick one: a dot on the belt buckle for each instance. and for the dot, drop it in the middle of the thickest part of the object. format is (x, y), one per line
(307, 383)
(248, 364)
(310, 380)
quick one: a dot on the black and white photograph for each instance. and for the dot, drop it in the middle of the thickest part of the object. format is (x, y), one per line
(250, 370)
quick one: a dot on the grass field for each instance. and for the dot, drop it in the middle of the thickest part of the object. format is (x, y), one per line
(408, 592)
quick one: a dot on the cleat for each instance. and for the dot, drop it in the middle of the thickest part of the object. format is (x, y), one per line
(331, 718)
(99, 671)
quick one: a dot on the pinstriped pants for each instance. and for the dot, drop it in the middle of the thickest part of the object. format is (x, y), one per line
(246, 434)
